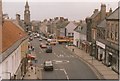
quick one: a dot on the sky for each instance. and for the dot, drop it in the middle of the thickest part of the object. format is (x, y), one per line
(45, 9)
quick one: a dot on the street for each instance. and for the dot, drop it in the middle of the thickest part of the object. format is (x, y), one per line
(66, 64)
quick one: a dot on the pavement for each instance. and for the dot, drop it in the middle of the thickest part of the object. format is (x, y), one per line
(102, 71)
(35, 72)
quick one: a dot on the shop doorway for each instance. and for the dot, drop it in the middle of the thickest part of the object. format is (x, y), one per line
(110, 59)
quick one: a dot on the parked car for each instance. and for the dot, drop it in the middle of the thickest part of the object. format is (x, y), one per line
(40, 39)
(35, 36)
(48, 66)
(43, 45)
(30, 38)
(49, 49)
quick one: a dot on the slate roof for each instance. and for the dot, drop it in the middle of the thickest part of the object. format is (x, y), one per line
(114, 14)
(102, 23)
(71, 24)
(95, 14)
(10, 34)
(81, 29)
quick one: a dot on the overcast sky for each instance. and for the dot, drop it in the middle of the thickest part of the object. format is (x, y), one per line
(71, 9)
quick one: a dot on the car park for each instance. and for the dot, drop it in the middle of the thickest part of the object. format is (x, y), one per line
(48, 66)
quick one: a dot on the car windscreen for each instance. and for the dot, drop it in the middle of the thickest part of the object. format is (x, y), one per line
(48, 64)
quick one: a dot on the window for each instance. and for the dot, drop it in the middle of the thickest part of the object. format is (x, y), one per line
(68, 34)
(111, 35)
(72, 34)
(108, 34)
(116, 36)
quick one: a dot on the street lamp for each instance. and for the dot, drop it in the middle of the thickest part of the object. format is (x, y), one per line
(93, 50)
(35, 64)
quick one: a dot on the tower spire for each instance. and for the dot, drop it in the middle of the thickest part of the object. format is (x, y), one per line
(26, 2)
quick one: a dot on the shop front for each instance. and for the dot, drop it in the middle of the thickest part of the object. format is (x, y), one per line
(100, 51)
(112, 58)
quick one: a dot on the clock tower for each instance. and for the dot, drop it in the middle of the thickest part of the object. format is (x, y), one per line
(27, 15)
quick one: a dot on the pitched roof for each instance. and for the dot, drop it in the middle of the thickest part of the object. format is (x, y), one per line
(95, 14)
(10, 34)
(81, 29)
(71, 24)
(114, 15)
(102, 23)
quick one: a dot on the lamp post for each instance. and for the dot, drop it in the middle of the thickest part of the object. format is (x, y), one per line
(93, 50)
(35, 65)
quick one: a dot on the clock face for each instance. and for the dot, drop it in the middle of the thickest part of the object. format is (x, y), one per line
(27, 12)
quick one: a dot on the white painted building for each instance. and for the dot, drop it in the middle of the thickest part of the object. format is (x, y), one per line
(70, 29)
(79, 34)
(11, 64)
(76, 38)
(10, 60)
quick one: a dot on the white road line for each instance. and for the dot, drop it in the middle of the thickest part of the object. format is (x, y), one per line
(56, 69)
(66, 74)
(62, 69)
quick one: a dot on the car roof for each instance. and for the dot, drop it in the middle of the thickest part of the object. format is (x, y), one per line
(48, 61)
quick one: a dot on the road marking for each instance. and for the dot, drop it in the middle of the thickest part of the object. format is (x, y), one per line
(62, 69)
(60, 61)
(66, 74)
(56, 69)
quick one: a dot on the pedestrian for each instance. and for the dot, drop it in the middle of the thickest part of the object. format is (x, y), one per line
(73, 50)
(31, 67)
(33, 48)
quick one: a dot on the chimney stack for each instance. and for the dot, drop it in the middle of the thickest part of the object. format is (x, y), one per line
(103, 11)
(18, 19)
(95, 11)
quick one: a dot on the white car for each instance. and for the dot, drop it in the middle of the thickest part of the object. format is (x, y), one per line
(48, 66)
(40, 39)
(35, 36)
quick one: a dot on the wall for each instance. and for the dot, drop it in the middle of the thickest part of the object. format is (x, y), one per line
(76, 38)
(11, 63)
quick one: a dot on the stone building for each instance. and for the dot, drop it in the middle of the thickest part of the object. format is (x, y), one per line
(101, 41)
(112, 33)
(107, 41)
(92, 23)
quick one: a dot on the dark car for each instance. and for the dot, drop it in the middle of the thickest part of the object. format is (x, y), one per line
(49, 49)
(48, 66)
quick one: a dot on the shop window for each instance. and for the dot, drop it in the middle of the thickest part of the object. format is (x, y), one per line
(68, 34)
